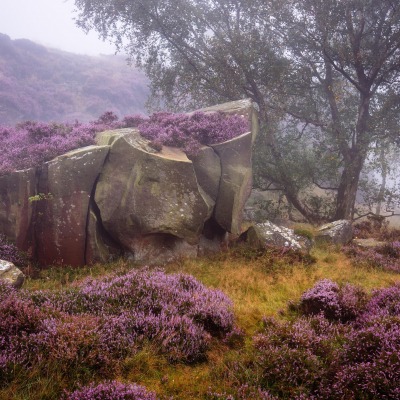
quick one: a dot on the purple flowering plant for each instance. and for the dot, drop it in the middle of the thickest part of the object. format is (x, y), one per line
(111, 390)
(342, 343)
(30, 144)
(10, 252)
(99, 322)
(191, 131)
(386, 257)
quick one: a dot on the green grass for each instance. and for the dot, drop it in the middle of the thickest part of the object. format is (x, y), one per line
(258, 287)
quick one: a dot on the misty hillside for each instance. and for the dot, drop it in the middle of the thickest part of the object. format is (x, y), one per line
(38, 83)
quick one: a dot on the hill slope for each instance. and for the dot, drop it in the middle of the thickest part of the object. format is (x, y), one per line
(38, 83)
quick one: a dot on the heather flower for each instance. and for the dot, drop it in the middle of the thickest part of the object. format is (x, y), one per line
(386, 257)
(10, 252)
(323, 297)
(191, 131)
(292, 358)
(355, 354)
(99, 322)
(111, 390)
(30, 144)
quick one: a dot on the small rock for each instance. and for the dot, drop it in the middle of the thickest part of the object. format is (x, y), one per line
(268, 234)
(11, 274)
(368, 243)
(337, 232)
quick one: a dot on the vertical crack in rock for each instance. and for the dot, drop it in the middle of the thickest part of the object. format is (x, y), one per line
(106, 245)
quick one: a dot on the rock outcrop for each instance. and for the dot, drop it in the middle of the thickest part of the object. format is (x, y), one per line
(123, 197)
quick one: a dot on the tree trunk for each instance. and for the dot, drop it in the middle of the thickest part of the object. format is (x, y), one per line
(348, 186)
(384, 169)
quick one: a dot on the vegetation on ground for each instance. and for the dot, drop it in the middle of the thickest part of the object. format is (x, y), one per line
(296, 326)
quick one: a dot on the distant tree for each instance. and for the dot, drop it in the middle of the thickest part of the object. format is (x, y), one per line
(325, 70)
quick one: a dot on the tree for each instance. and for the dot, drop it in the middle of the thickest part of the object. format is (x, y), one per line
(330, 69)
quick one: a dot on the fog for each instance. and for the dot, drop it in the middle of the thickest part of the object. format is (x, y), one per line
(50, 23)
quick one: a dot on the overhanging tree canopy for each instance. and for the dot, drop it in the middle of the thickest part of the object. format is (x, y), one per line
(332, 66)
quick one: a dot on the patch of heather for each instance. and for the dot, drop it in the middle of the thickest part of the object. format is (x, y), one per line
(383, 303)
(10, 252)
(386, 257)
(322, 356)
(244, 392)
(102, 321)
(111, 390)
(191, 131)
(369, 362)
(334, 302)
(292, 358)
(30, 144)
(322, 298)
(149, 292)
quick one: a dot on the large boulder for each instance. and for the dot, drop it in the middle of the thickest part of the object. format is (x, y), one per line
(337, 232)
(142, 192)
(67, 185)
(267, 234)
(17, 190)
(10, 274)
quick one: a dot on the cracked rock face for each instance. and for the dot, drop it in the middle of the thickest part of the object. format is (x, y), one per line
(16, 209)
(123, 197)
(141, 192)
(61, 219)
(236, 181)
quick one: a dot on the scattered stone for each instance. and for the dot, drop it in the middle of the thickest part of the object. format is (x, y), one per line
(11, 274)
(267, 234)
(368, 243)
(337, 232)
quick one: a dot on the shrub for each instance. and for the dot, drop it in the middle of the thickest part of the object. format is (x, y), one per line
(293, 358)
(111, 390)
(356, 356)
(30, 143)
(10, 252)
(386, 257)
(322, 298)
(191, 131)
(383, 303)
(102, 321)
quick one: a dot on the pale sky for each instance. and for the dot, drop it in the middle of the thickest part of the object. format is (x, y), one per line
(50, 23)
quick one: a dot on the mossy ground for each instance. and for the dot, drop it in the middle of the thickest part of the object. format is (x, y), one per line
(259, 285)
